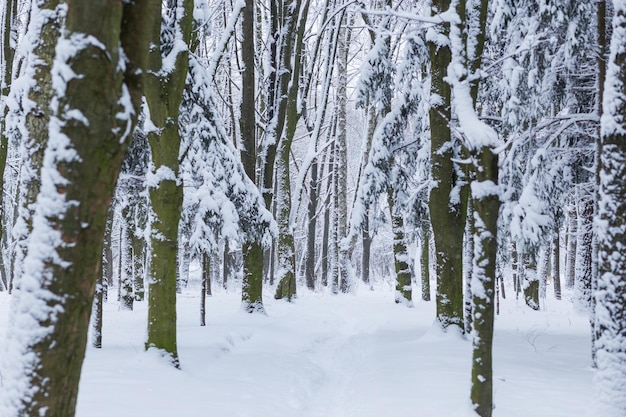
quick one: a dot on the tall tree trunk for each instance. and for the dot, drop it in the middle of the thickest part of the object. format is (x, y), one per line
(81, 166)
(164, 90)
(601, 66)
(294, 21)
(447, 217)
(486, 209)
(252, 284)
(43, 34)
(341, 157)
(609, 393)
(8, 54)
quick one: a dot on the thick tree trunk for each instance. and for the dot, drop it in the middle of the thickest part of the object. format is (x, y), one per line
(9, 31)
(164, 90)
(447, 217)
(252, 283)
(610, 376)
(81, 168)
(486, 209)
(44, 32)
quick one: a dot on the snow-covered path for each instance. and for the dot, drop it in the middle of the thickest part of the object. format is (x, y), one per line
(332, 356)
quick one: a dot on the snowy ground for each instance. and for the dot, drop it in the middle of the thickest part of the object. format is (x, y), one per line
(332, 356)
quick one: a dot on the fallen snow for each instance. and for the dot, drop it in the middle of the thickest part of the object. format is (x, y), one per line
(346, 355)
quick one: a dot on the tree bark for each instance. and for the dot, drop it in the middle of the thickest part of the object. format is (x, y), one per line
(403, 292)
(252, 284)
(556, 263)
(608, 382)
(425, 260)
(447, 216)
(572, 237)
(78, 177)
(164, 90)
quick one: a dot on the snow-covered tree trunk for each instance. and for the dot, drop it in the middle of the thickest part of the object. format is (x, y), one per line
(9, 42)
(468, 260)
(572, 239)
(556, 262)
(126, 259)
(93, 111)
(403, 294)
(286, 273)
(544, 270)
(467, 39)
(584, 248)
(309, 274)
(447, 201)
(530, 277)
(610, 377)
(515, 270)
(295, 16)
(140, 249)
(425, 260)
(164, 86)
(341, 158)
(252, 284)
(206, 285)
(47, 18)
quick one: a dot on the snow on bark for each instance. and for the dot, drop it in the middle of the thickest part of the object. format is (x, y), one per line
(610, 376)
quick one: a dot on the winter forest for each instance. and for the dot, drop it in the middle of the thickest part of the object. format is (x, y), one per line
(421, 204)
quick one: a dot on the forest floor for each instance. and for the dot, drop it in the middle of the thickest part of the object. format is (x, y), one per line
(332, 356)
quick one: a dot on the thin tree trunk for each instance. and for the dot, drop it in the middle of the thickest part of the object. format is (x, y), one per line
(403, 292)
(468, 256)
(312, 226)
(515, 270)
(584, 247)
(531, 279)
(572, 235)
(544, 270)
(206, 283)
(556, 261)
(425, 260)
